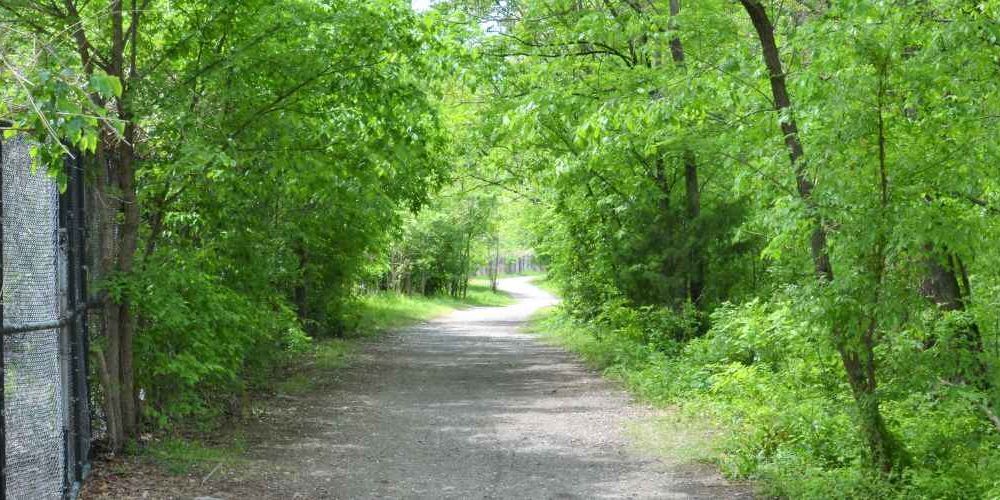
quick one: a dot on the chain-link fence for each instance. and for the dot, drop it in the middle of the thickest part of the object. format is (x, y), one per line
(45, 420)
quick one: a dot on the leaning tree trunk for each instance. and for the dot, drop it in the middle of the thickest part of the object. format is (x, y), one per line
(301, 290)
(856, 352)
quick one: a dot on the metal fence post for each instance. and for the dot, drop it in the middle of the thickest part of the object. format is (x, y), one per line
(64, 289)
(3, 400)
(73, 331)
(65, 332)
(77, 328)
(84, 345)
(87, 429)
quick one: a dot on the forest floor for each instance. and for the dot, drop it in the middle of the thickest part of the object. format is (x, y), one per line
(463, 406)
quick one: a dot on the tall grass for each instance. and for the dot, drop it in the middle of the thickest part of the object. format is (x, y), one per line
(385, 311)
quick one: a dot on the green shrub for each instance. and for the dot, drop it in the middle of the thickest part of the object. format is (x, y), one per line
(202, 343)
(774, 386)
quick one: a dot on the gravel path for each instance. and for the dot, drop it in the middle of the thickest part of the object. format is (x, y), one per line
(468, 406)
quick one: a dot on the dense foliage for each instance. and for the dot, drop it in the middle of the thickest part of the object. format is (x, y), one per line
(779, 213)
(247, 161)
(784, 210)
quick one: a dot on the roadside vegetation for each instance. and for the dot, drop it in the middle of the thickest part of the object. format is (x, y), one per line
(779, 214)
(260, 178)
(755, 398)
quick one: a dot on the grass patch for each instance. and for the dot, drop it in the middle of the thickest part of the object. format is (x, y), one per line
(308, 371)
(334, 354)
(545, 282)
(296, 383)
(480, 295)
(553, 327)
(677, 437)
(181, 456)
(683, 435)
(384, 311)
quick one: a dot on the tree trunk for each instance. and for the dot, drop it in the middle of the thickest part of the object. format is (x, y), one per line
(466, 261)
(696, 254)
(857, 354)
(495, 266)
(129, 238)
(301, 291)
(782, 104)
(942, 287)
(109, 354)
(668, 265)
(940, 284)
(115, 202)
(859, 363)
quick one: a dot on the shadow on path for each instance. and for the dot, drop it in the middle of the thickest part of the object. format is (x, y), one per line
(467, 406)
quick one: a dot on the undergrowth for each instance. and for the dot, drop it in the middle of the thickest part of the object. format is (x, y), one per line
(784, 413)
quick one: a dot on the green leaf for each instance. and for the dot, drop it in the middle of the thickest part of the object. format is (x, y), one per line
(106, 85)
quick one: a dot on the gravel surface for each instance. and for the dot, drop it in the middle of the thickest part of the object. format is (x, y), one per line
(466, 406)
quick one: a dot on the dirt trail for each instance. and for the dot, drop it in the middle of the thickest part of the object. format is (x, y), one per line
(466, 406)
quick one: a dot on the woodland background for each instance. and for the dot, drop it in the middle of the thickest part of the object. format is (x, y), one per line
(780, 214)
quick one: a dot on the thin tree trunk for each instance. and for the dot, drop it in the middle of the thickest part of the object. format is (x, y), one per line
(109, 354)
(301, 290)
(696, 255)
(466, 258)
(696, 281)
(496, 266)
(129, 237)
(942, 287)
(857, 354)
(668, 264)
